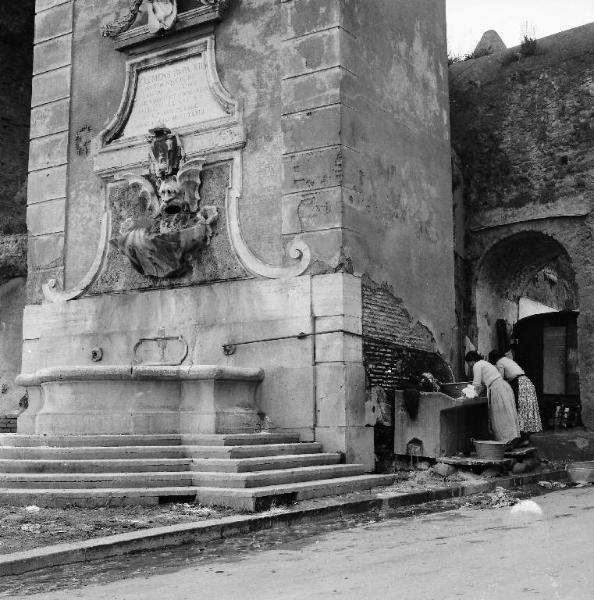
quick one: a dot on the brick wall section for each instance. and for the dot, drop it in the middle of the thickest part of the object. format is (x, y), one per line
(50, 107)
(394, 346)
(8, 423)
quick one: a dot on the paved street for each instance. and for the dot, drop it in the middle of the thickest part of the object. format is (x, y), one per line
(540, 548)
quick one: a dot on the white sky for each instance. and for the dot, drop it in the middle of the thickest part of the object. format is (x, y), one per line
(469, 19)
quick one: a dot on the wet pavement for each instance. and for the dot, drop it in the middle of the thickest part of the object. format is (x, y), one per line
(536, 549)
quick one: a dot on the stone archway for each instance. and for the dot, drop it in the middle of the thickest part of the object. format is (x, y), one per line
(522, 274)
(526, 265)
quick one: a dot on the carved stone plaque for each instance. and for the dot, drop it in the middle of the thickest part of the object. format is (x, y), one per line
(177, 93)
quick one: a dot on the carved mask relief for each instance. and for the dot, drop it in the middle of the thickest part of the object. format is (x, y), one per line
(179, 225)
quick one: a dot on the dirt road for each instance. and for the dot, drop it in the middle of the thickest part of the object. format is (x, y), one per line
(540, 548)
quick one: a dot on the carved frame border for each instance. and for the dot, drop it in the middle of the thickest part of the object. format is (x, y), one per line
(206, 47)
(214, 141)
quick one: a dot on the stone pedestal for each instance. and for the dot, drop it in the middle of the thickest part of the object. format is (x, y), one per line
(141, 400)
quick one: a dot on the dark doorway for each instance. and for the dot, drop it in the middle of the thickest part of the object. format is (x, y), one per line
(546, 347)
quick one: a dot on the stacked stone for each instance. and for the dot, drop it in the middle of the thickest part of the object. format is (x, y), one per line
(48, 154)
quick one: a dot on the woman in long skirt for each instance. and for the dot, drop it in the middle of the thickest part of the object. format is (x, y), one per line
(524, 392)
(503, 415)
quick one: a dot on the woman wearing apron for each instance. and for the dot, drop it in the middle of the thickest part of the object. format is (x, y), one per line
(503, 416)
(524, 392)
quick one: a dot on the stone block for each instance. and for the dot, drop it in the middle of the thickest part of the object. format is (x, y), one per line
(46, 217)
(46, 251)
(308, 16)
(42, 5)
(340, 391)
(356, 443)
(218, 407)
(320, 168)
(52, 54)
(287, 391)
(336, 294)
(311, 90)
(37, 277)
(315, 52)
(53, 22)
(50, 151)
(312, 211)
(316, 128)
(51, 86)
(313, 170)
(346, 323)
(338, 347)
(26, 422)
(326, 249)
(50, 118)
(47, 184)
(321, 51)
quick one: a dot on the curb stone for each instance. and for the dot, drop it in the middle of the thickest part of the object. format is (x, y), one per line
(214, 529)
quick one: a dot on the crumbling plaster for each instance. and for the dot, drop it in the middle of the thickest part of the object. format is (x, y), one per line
(398, 213)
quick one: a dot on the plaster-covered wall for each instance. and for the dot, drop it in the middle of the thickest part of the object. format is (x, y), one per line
(248, 62)
(398, 218)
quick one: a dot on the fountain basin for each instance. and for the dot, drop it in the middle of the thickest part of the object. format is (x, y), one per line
(140, 400)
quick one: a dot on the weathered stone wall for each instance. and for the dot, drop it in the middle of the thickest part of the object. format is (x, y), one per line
(48, 150)
(398, 213)
(524, 132)
(346, 120)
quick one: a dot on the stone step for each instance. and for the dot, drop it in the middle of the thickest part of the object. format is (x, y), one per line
(126, 452)
(73, 441)
(139, 465)
(275, 477)
(239, 439)
(264, 463)
(91, 452)
(262, 498)
(250, 499)
(94, 480)
(91, 498)
(251, 451)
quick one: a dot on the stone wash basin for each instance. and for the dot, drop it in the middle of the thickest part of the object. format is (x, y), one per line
(140, 400)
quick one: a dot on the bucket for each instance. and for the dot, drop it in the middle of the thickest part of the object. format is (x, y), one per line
(489, 449)
(581, 472)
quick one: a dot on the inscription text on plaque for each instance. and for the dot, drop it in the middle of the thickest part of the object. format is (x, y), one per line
(176, 93)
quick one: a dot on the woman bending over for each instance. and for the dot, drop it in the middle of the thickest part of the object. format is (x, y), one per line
(524, 392)
(503, 416)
